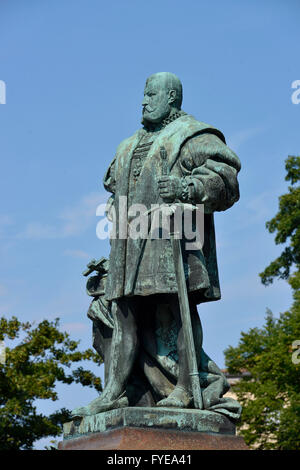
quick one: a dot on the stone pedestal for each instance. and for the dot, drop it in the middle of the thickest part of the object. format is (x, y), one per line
(152, 429)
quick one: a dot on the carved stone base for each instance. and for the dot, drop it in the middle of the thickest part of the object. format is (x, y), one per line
(152, 429)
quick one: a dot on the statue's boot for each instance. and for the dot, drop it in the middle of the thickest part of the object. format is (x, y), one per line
(99, 405)
(181, 396)
(178, 398)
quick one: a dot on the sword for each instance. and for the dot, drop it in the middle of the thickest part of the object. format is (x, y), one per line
(184, 304)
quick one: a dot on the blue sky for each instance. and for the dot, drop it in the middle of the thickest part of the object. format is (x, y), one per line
(75, 73)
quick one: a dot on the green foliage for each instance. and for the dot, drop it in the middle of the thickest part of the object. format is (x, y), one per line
(270, 393)
(41, 358)
(286, 225)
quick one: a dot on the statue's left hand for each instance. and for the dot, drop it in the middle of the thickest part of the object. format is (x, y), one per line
(169, 188)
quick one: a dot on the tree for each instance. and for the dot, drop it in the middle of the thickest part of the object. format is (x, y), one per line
(270, 393)
(42, 357)
(286, 224)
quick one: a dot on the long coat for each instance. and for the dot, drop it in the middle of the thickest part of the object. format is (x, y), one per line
(195, 151)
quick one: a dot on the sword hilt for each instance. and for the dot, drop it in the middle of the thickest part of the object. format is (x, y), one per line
(164, 159)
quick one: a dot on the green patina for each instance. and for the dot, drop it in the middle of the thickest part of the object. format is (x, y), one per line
(139, 326)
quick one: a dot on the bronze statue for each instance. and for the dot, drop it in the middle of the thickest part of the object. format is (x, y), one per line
(151, 285)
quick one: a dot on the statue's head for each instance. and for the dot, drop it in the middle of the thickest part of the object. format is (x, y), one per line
(163, 92)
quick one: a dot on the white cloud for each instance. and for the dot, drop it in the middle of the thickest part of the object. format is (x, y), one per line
(75, 254)
(76, 219)
(3, 290)
(5, 221)
(74, 327)
(250, 213)
(72, 221)
(249, 290)
(257, 209)
(38, 231)
(239, 138)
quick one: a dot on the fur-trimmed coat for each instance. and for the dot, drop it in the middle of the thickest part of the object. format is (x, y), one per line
(197, 152)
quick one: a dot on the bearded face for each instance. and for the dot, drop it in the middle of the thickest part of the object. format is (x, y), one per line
(156, 104)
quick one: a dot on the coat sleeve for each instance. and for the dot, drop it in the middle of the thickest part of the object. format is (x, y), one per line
(109, 184)
(210, 169)
(109, 181)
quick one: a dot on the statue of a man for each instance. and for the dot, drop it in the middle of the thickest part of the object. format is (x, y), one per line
(135, 312)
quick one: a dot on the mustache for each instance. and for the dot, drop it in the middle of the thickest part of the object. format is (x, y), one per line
(147, 109)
